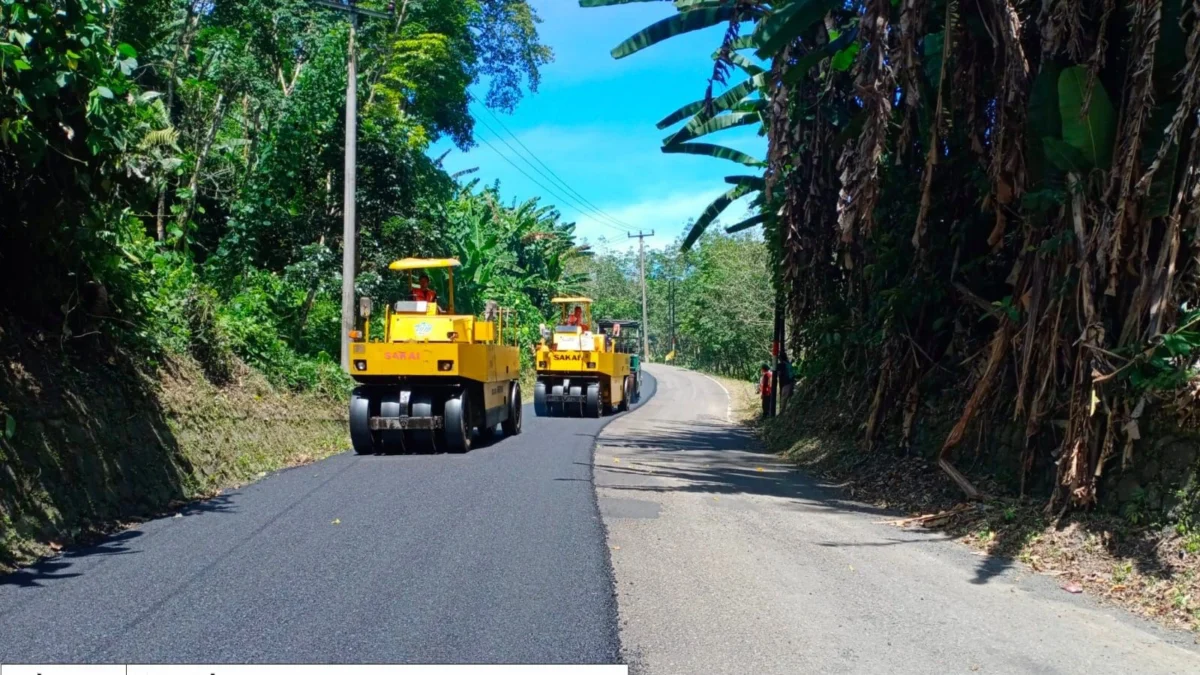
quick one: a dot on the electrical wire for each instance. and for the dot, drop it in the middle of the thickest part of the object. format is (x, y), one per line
(555, 192)
(552, 192)
(554, 177)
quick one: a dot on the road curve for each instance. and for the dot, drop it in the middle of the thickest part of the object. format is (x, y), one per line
(729, 561)
(493, 556)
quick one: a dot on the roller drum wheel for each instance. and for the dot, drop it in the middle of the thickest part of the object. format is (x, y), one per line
(458, 425)
(365, 441)
(389, 406)
(576, 409)
(557, 409)
(539, 400)
(423, 440)
(512, 425)
(592, 405)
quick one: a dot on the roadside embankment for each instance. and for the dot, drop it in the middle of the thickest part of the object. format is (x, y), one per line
(94, 439)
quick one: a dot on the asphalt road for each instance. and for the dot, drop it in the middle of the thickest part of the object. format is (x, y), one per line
(493, 556)
(723, 560)
(728, 560)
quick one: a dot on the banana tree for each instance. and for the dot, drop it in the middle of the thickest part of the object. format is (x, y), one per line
(744, 104)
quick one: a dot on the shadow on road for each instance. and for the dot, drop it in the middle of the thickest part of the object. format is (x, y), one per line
(55, 569)
(715, 458)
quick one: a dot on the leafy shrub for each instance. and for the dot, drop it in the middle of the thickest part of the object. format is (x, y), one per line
(255, 320)
(209, 344)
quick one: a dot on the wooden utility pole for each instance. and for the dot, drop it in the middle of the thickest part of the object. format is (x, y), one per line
(641, 237)
(350, 207)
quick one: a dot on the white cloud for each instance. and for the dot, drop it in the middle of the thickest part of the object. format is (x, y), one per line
(666, 216)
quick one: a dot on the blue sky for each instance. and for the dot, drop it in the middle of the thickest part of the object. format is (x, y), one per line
(592, 122)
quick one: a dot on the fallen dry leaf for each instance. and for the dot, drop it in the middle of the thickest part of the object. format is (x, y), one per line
(1072, 587)
(55, 546)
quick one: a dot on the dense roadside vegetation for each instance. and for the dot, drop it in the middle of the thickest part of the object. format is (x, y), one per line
(172, 169)
(171, 208)
(993, 198)
(718, 293)
(984, 233)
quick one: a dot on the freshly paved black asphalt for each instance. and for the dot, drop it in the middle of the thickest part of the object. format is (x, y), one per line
(494, 556)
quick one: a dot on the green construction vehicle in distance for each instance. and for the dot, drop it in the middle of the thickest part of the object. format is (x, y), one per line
(627, 339)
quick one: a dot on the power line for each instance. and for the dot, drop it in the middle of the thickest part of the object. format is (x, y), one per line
(535, 181)
(525, 173)
(554, 176)
(553, 191)
(600, 218)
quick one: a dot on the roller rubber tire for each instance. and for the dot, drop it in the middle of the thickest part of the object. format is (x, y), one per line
(389, 406)
(557, 409)
(576, 410)
(593, 403)
(539, 400)
(361, 437)
(423, 440)
(487, 434)
(512, 425)
(626, 392)
(458, 427)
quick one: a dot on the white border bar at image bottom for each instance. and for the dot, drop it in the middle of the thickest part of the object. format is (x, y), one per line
(313, 669)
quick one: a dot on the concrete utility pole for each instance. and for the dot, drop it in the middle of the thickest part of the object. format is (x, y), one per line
(641, 237)
(350, 207)
(671, 282)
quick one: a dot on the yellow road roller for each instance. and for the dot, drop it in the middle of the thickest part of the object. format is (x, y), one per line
(436, 376)
(580, 372)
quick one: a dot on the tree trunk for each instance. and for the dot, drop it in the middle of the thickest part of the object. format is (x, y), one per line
(194, 183)
(182, 48)
(306, 308)
(391, 50)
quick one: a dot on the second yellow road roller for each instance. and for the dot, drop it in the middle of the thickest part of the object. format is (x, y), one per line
(580, 372)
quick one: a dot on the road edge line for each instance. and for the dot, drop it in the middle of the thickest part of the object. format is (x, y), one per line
(728, 397)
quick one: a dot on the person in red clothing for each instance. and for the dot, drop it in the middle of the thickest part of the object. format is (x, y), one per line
(764, 389)
(424, 293)
(576, 318)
